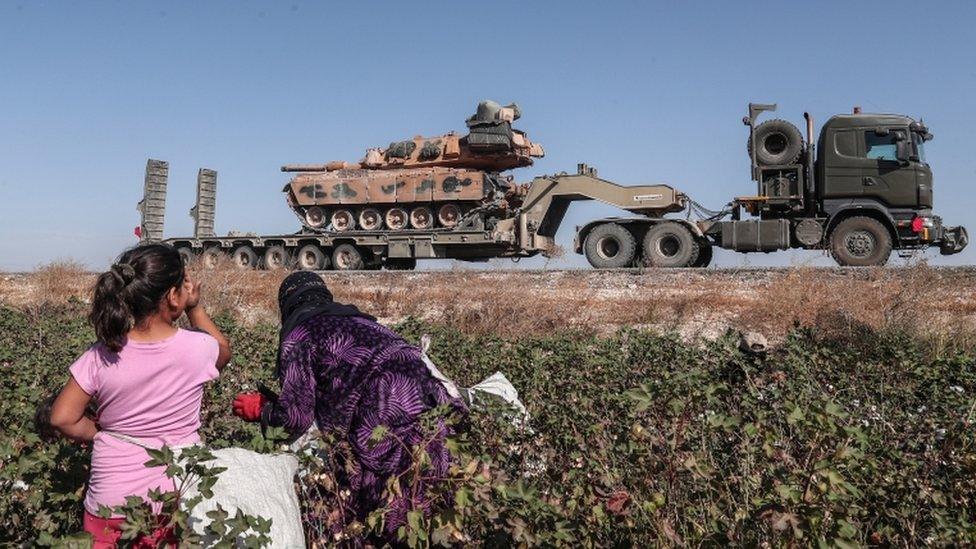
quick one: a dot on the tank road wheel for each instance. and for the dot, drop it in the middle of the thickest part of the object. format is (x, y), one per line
(448, 215)
(276, 257)
(315, 217)
(396, 219)
(610, 246)
(370, 220)
(245, 257)
(347, 258)
(860, 242)
(421, 218)
(186, 254)
(312, 258)
(211, 257)
(343, 220)
(670, 245)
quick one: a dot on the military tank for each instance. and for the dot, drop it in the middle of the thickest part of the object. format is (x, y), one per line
(446, 182)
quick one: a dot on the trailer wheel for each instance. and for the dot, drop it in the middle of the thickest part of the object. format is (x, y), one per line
(777, 143)
(276, 257)
(245, 257)
(312, 258)
(421, 218)
(347, 257)
(704, 255)
(397, 219)
(860, 242)
(610, 246)
(448, 215)
(186, 254)
(670, 245)
(211, 257)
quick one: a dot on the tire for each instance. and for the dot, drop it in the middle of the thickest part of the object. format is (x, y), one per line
(704, 255)
(777, 143)
(400, 263)
(187, 255)
(311, 258)
(610, 246)
(245, 258)
(347, 257)
(211, 257)
(277, 257)
(670, 244)
(860, 242)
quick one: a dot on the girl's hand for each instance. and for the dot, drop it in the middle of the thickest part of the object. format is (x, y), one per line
(192, 290)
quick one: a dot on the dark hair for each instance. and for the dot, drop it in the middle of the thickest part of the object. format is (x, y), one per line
(132, 289)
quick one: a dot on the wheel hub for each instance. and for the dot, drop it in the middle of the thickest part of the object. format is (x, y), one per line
(860, 243)
(608, 248)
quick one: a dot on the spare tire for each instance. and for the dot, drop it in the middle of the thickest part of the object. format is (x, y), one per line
(777, 143)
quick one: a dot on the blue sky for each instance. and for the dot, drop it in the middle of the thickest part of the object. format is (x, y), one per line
(646, 92)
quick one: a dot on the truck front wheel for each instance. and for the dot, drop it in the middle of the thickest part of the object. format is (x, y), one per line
(670, 245)
(860, 242)
(610, 246)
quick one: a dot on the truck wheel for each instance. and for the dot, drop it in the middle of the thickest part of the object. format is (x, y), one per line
(704, 255)
(211, 257)
(777, 143)
(244, 257)
(347, 258)
(670, 245)
(610, 246)
(312, 258)
(276, 257)
(860, 242)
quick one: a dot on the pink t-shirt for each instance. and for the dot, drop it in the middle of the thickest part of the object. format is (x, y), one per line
(149, 391)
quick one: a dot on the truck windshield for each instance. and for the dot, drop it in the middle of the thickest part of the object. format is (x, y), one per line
(919, 146)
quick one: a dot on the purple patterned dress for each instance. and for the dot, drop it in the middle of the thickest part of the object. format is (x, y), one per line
(351, 375)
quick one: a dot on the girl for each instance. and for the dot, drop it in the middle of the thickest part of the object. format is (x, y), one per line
(146, 375)
(339, 367)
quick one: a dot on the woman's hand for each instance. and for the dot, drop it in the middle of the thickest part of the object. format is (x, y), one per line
(247, 406)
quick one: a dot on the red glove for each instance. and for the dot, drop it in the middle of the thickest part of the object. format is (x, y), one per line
(247, 406)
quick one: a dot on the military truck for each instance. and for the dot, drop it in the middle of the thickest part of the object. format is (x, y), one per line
(867, 192)
(863, 190)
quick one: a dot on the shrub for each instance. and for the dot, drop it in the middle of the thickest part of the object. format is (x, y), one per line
(860, 438)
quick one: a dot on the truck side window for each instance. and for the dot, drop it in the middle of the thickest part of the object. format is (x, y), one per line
(881, 147)
(845, 143)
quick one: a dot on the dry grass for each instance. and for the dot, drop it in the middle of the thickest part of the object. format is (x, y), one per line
(938, 303)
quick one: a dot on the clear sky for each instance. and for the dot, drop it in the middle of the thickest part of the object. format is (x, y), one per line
(645, 91)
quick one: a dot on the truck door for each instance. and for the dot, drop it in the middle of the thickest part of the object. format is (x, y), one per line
(883, 176)
(842, 165)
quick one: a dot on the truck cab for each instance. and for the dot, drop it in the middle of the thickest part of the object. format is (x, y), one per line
(864, 190)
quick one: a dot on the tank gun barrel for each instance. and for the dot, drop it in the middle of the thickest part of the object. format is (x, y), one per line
(305, 168)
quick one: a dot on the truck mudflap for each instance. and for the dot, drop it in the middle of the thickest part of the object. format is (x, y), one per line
(954, 240)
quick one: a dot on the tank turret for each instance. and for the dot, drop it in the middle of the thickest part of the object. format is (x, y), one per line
(448, 182)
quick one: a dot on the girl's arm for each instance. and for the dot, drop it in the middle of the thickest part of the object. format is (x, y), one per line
(199, 319)
(68, 413)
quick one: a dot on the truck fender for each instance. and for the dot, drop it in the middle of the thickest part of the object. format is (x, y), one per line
(843, 209)
(640, 223)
